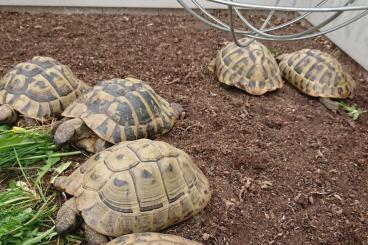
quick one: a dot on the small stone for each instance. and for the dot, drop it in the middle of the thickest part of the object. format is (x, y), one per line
(228, 203)
(58, 28)
(311, 200)
(206, 236)
(266, 184)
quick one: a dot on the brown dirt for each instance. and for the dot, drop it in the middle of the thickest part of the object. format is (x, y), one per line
(283, 169)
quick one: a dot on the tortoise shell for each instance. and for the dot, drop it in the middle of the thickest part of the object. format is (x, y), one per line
(137, 186)
(40, 88)
(151, 238)
(252, 68)
(316, 73)
(123, 109)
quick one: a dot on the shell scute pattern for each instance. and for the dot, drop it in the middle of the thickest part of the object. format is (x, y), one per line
(151, 238)
(123, 109)
(316, 73)
(251, 68)
(40, 88)
(138, 186)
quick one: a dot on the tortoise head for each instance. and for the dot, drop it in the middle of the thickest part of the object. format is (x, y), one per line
(8, 115)
(60, 183)
(178, 109)
(67, 130)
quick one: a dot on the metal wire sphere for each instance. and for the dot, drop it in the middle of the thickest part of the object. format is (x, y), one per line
(234, 8)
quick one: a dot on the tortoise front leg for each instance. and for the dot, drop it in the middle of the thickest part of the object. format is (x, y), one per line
(67, 217)
(329, 104)
(93, 237)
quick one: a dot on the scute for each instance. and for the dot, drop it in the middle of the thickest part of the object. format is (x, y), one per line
(40, 88)
(123, 159)
(146, 150)
(96, 177)
(251, 68)
(151, 238)
(123, 109)
(316, 73)
(144, 196)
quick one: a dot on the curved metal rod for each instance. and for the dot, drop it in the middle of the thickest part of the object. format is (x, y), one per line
(224, 27)
(261, 34)
(196, 3)
(285, 37)
(310, 30)
(295, 9)
(187, 8)
(262, 27)
(294, 20)
(315, 34)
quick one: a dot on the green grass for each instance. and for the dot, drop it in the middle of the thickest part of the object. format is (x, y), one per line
(27, 207)
(273, 51)
(353, 111)
(27, 146)
(24, 217)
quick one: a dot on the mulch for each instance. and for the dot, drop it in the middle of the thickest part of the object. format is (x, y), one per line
(283, 169)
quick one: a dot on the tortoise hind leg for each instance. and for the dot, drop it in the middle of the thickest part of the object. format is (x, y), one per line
(93, 237)
(67, 217)
(329, 104)
(179, 111)
(8, 115)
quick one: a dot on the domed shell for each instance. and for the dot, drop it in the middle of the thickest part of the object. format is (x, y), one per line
(40, 88)
(151, 238)
(316, 73)
(123, 109)
(252, 68)
(137, 186)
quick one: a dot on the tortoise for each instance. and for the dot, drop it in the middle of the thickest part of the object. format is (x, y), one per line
(317, 74)
(134, 186)
(39, 90)
(151, 238)
(116, 110)
(251, 68)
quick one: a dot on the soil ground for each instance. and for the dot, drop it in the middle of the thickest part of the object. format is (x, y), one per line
(283, 169)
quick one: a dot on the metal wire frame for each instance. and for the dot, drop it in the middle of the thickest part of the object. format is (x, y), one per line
(263, 32)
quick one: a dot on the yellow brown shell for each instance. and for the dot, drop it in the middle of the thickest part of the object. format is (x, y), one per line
(151, 238)
(252, 68)
(123, 109)
(316, 73)
(137, 186)
(40, 88)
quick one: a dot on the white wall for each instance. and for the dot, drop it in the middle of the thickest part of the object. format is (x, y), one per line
(353, 39)
(105, 3)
